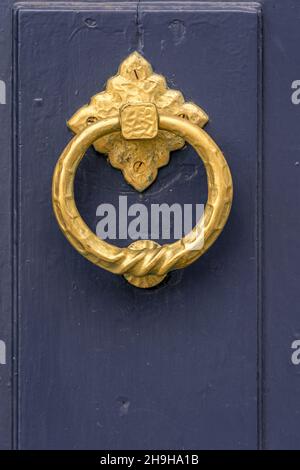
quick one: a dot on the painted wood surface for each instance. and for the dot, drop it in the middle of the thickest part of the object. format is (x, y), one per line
(92, 363)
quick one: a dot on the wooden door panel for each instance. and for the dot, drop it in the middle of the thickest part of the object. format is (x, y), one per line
(102, 364)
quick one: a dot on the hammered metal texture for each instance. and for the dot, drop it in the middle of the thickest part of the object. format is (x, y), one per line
(139, 121)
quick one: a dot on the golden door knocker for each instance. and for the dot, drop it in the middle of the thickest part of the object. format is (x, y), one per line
(137, 121)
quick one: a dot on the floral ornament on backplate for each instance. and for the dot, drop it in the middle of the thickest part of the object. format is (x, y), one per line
(136, 83)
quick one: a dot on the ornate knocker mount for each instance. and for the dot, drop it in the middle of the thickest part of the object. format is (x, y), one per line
(137, 121)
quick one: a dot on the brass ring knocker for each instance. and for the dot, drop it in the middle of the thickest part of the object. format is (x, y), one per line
(144, 263)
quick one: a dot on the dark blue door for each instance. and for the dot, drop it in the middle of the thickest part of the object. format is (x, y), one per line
(101, 363)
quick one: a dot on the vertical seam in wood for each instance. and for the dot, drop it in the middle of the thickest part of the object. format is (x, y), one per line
(260, 246)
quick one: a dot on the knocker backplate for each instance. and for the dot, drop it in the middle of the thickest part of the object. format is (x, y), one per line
(135, 93)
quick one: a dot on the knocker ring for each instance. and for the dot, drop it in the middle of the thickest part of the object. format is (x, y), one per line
(137, 107)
